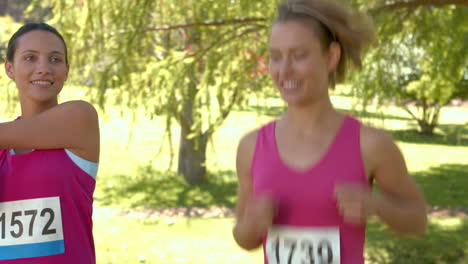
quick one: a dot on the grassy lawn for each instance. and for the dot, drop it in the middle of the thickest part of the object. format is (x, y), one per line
(137, 238)
(132, 176)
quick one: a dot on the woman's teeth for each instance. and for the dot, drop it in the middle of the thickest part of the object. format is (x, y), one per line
(42, 82)
(290, 84)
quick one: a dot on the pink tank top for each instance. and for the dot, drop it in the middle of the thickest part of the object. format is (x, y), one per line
(306, 199)
(45, 209)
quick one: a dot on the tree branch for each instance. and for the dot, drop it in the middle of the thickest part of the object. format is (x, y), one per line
(247, 20)
(223, 113)
(414, 4)
(401, 4)
(201, 54)
(406, 108)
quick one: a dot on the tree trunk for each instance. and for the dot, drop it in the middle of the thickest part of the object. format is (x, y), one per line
(192, 151)
(426, 127)
(192, 157)
(430, 119)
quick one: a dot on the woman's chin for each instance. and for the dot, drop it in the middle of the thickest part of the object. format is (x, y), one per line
(293, 99)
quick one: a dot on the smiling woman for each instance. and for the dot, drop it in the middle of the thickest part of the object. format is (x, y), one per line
(48, 158)
(305, 179)
(37, 63)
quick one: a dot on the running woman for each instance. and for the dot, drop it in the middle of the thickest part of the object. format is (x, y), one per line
(305, 179)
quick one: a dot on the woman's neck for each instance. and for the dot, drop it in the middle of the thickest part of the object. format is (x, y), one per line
(29, 108)
(303, 117)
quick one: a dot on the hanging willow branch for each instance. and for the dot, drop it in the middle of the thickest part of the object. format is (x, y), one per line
(247, 20)
(415, 4)
(373, 11)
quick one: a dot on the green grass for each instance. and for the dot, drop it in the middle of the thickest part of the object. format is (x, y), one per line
(153, 189)
(139, 238)
(445, 185)
(445, 242)
(132, 176)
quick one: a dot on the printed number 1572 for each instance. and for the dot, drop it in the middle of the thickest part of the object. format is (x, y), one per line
(21, 222)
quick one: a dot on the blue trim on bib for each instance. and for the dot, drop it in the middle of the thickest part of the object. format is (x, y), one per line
(32, 250)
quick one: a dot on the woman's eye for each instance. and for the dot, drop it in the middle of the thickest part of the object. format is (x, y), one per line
(299, 56)
(55, 59)
(275, 57)
(29, 57)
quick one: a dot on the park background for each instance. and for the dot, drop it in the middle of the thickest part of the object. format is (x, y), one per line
(177, 83)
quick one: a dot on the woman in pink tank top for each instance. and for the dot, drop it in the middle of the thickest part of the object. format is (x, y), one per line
(45, 196)
(305, 179)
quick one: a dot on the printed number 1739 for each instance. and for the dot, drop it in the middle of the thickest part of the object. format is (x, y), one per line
(288, 245)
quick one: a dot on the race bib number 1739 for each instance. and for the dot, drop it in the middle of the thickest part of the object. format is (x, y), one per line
(31, 228)
(303, 245)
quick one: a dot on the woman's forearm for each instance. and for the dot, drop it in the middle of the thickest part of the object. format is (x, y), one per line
(405, 217)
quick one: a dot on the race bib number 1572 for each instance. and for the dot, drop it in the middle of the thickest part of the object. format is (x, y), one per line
(31, 228)
(303, 245)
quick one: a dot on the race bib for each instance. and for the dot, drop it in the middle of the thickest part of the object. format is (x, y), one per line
(303, 245)
(31, 228)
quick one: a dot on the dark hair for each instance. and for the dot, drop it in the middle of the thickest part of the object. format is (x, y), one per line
(28, 28)
(332, 22)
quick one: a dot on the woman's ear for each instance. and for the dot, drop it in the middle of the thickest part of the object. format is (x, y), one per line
(9, 69)
(334, 53)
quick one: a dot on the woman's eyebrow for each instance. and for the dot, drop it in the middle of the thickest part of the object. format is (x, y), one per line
(35, 51)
